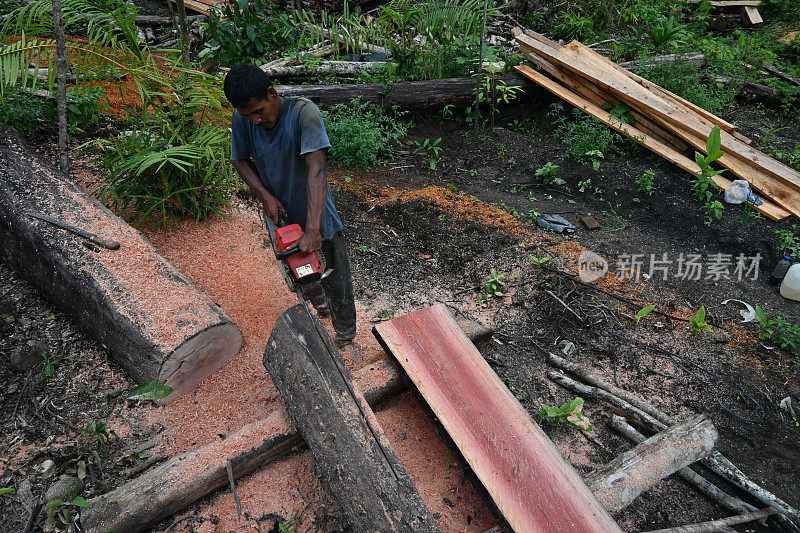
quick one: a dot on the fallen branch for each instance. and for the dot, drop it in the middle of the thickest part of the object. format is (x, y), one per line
(690, 58)
(653, 459)
(335, 68)
(748, 89)
(621, 426)
(716, 462)
(775, 71)
(718, 525)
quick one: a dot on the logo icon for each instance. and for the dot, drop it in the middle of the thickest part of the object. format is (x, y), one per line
(591, 266)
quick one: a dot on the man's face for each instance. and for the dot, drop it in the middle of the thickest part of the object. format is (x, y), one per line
(263, 112)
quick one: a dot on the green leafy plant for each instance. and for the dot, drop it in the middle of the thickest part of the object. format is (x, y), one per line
(698, 322)
(620, 111)
(50, 364)
(703, 186)
(150, 390)
(788, 243)
(525, 126)
(62, 511)
(569, 413)
(583, 135)
(492, 288)
(595, 156)
(547, 174)
(429, 148)
(644, 183)
(246, 30)
(643, 312)
(362, 134)
(539, 261)
(666, 31)
(5, 490)
(781, 331)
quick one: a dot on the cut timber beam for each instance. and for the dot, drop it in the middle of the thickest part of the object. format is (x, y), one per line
(350, 449)
(156, 324)
(531, 485)
(767, 208)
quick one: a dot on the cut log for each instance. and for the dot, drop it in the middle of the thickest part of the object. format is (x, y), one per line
(425, 95)
(621, 426)
(184, 479)
(749, 90)
(156, 20)
(156, 324)
(335, 68)
(350, 449)
(769, 209)
(531, 485)
(691, 58)
(652, 460)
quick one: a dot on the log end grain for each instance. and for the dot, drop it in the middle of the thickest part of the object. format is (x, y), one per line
(199, 357)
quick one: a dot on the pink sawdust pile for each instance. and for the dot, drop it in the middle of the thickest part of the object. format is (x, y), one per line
(227, 260)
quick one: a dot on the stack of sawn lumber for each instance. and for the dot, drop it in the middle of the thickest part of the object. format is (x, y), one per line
(664, 123)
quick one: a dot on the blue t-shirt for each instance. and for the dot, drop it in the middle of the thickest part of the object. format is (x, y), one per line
(278, 157)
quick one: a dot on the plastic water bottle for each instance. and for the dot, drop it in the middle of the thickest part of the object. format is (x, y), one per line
(780, 270)
(790, 288)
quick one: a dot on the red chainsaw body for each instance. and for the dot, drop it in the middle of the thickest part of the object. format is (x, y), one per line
(303, 267)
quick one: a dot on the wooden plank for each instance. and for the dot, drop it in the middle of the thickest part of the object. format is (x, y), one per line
(576, 60)
(350, 449)
(751, 16)
(532, 486)
(658, 90)
(590, 92)
(768, 208)
(584, 60)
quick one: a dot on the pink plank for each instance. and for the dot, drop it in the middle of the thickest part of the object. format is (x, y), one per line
(531, 484)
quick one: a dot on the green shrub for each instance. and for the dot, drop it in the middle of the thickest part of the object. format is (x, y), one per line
(361, 134)
(33, 115)
(683, 80)
(584, 136)
(781, 331)
(644, 183)
(246, 30)
(176, 161)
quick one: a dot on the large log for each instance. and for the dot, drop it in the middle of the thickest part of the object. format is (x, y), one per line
(185, 478)
(155, 323)
(530, 483)
(652, 460)
(350, 448)
(411, 95)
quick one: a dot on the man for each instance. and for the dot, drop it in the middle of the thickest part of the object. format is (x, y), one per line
(278, 147)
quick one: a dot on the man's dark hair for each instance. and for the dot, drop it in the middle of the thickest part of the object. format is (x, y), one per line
(245, 81)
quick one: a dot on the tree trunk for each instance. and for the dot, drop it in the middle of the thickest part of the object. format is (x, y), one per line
(350, 449)
(171, 487)
(61, 84)
(156, 324)
(650, 461)
(183, 28)
(428, 95)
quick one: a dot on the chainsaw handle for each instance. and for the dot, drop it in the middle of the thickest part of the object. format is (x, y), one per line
(286, 253)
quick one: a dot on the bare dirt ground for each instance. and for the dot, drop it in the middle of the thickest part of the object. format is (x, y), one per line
(419, 236)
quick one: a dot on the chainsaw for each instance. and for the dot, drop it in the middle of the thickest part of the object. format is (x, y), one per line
(299, 271)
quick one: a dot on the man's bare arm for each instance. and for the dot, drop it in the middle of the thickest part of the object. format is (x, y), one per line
(249, 174)
(317, 194)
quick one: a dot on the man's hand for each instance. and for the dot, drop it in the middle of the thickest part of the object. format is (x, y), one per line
(310, 242)
(273, 207)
